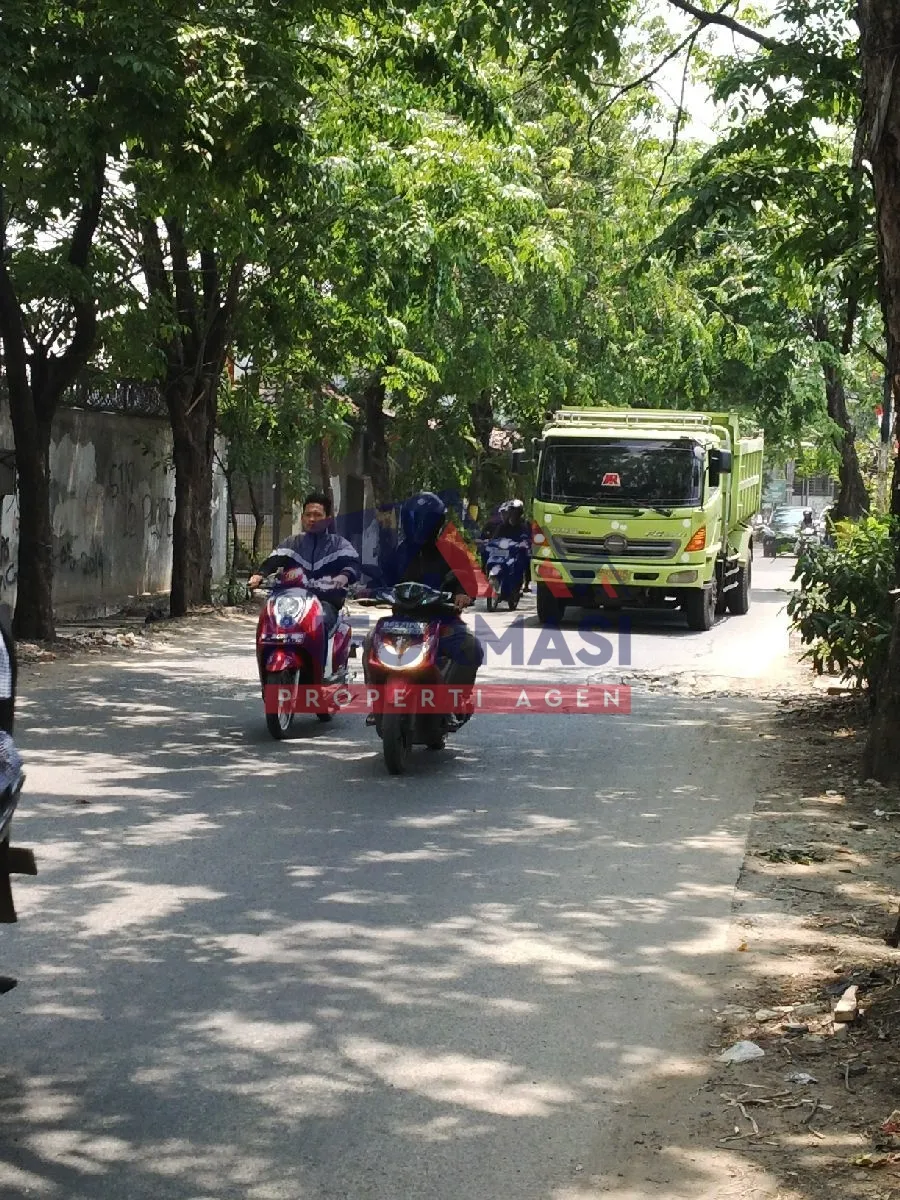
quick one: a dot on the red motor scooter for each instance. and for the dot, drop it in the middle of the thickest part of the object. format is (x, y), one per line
(292, 649)
(405, 650)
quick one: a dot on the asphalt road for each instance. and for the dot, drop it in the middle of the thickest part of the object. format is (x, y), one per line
(753, 646)
(268, 970)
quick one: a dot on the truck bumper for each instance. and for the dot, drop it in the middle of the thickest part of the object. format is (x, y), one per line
(621, 581)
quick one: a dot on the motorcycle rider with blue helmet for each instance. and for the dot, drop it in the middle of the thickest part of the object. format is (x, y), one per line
(418, 559)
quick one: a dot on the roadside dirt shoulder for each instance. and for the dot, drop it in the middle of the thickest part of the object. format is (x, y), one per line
(809, 1108)
(112, 635)
(817, 896)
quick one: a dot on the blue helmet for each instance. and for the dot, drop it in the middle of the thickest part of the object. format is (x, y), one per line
(422, 518)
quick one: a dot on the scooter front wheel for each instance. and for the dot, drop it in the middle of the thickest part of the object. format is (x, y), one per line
(279, 722)
(396, 743)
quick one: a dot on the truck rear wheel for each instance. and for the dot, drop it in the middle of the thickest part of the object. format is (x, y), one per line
(550, 609)
(700, 607)
(739, 597)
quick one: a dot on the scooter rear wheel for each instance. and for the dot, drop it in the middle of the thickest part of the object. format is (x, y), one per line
(395, 741)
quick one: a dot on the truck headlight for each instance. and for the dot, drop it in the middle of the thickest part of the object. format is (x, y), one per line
(683, 577)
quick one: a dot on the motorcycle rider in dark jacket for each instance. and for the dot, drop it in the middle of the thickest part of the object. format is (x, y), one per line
(325, 556)
(510, 523)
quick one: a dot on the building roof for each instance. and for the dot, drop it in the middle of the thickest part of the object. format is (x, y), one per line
(504, 439)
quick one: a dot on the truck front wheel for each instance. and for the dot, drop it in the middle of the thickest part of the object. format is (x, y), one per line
(700, 607)
(739, 597)
(550, 609)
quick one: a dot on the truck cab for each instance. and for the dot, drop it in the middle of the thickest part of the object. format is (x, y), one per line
(645, 507)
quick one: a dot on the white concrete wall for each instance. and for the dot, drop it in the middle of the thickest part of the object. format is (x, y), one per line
(112, 503)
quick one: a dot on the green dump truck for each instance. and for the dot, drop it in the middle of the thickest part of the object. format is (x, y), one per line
(645, 507)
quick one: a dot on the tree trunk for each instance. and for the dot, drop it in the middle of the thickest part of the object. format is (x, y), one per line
(893, 505)
(201, 302)
(232, 516)
(879, 143)
(257, 522)
(193, 436)
(880, 759)
(325, 469)
(853, 498)
(36, 380)
(34, 619)
(380, 468)
(376, 435)
(481, 413)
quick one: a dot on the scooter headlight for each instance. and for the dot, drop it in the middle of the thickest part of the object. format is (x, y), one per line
(402, 651)
(288, 609)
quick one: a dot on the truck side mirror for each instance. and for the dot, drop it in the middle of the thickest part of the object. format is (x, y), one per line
(516, 459)
(719, 465)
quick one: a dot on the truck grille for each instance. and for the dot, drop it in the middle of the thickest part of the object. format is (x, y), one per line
(616, 546)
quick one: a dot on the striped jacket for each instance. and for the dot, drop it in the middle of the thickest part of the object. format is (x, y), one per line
(321, 555)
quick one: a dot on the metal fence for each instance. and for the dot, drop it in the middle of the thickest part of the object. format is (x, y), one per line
(103, 395)
(123, 396)
(245, 527)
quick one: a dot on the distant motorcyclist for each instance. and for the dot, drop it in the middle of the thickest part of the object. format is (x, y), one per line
(808, 533)
(513, 524)
(510, 523)
(326, 557)
(418, 559)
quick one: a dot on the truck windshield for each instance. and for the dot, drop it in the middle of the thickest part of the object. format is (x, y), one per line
(598, 471)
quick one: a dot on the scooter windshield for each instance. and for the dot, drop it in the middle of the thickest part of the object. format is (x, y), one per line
(416, 595)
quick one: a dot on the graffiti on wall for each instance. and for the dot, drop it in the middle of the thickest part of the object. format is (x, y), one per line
(90, 563)
(141, 513)
(9, 545)
(159, 516)
(9, 566)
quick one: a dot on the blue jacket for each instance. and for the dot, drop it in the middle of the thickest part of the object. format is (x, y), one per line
(321, 555)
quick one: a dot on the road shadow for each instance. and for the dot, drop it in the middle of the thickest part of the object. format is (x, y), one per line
(267, 969)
